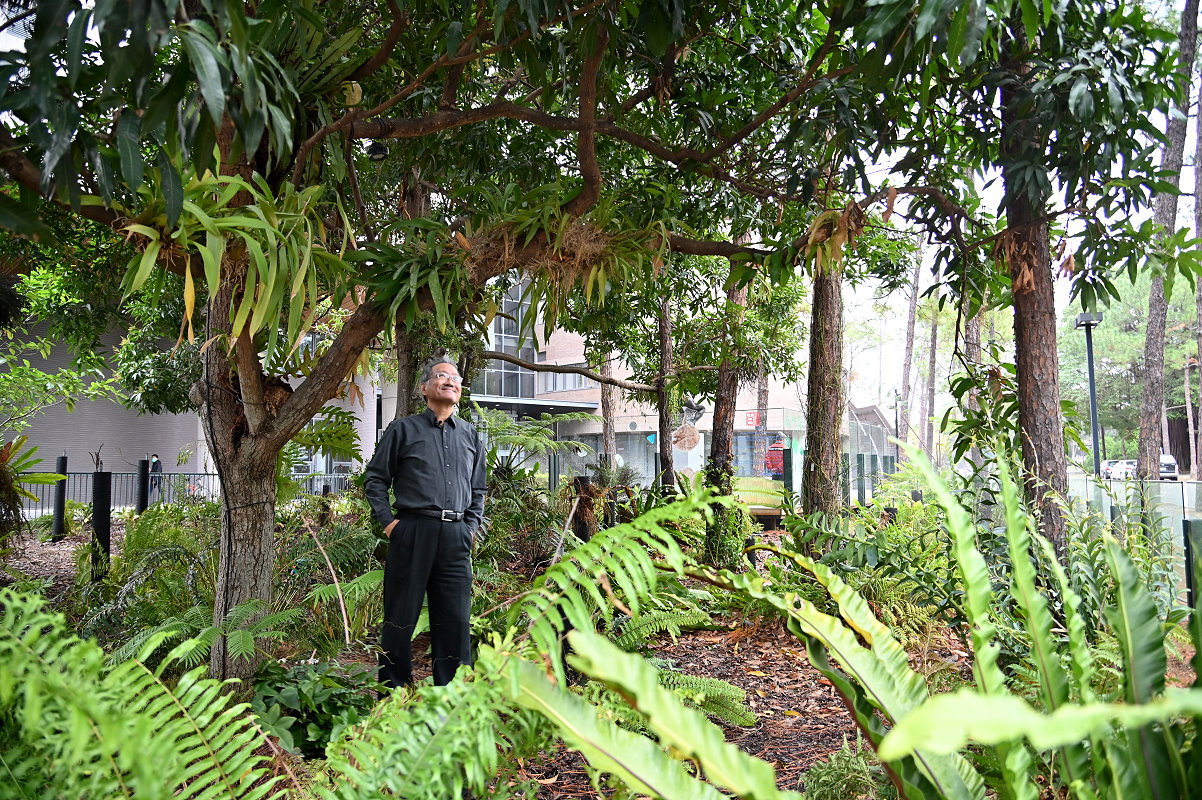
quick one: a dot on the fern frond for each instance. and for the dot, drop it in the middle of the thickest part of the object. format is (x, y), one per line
(635, 632)
(571, 591)
(90, 731)
(434, 743)
(714, 696)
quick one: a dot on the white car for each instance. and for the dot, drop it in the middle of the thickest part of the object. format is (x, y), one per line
(1168, 468)
(1123, 470)
(1107, 467)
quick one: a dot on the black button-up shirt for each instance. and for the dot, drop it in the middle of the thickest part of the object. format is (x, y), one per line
(430, 466)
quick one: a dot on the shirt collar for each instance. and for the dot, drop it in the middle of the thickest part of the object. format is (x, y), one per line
(433, 419)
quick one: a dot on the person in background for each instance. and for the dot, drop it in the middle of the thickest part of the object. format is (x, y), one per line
(434, 463)
(774, 459)
(156, 474)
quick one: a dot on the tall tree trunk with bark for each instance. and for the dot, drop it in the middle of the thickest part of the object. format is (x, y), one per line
(760, 450)
(972, 354)
(1164, 214)
(609, 436)
(407, 378)
(663, 400)
(911, 320)
(1197, 466)
(1191, 457)
(820, 486)
(720, 471)
(1026, 250)
(928, 430)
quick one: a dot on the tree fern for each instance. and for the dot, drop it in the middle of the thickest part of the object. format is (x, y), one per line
(90, 731)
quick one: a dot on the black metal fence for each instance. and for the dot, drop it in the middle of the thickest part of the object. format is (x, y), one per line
(165, 487)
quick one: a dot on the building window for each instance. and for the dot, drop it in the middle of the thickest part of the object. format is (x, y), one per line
(500, 378)
(564, 382)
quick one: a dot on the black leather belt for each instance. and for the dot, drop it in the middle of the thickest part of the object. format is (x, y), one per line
(445, 515)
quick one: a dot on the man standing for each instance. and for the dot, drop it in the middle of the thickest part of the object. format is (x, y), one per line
(156, 475)
(434, 464)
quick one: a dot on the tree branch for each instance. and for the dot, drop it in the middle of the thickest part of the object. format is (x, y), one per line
(25, 173)
(631, 386)
(250, 383)
(400, 21)
(586, 147)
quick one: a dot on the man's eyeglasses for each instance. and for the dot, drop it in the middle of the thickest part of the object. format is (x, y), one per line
(446, 376)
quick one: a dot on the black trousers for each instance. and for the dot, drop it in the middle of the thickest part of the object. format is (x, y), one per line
(427, 558)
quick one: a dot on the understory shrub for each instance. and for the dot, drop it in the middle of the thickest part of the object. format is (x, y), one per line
(306, 705)
(849, 772)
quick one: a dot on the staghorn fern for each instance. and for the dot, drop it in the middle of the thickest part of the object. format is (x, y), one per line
(87, 730)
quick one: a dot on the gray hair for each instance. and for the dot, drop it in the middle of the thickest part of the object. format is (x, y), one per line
(428, 367)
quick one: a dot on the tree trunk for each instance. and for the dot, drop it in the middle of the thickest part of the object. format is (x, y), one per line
(972, 354)
(1190, 457)
(720, 472)
(1197, 465)
(1025, 246)
(760, 450)
(663, 399)
(911, 320)
(1164, 214)
(407, 378)
(246, 469)
(928, 436)
(820, 489)
(609, 436)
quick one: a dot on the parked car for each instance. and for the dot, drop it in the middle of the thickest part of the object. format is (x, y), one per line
(1123, 469)
(1107, 467)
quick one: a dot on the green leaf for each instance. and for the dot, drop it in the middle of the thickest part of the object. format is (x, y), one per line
(206, 61)
(172, 188)
(949, 722)
(129, 147)
(24, 221)
(685, 730)
(638, 762)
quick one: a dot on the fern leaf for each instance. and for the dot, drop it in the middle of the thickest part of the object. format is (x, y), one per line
(949, 722)
(683, 729)
(90, 731)
(637, 762)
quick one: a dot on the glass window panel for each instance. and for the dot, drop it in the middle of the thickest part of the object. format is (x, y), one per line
(493, 382)
(509, 386)
(527, 384)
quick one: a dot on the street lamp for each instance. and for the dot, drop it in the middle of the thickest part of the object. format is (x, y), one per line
(1089, 321)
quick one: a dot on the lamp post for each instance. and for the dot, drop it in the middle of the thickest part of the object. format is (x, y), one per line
(1089, 321)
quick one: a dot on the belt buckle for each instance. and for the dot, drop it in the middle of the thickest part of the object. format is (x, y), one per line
(448, 516)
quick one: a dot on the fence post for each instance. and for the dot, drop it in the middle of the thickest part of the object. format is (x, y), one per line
(102, 510)
(143, 496)
(861, 493)
(1191, 564)
(59, 528)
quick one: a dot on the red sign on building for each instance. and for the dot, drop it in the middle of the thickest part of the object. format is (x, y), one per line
(753, 419)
